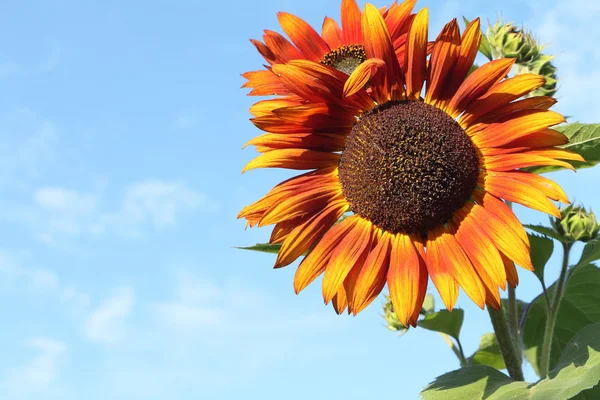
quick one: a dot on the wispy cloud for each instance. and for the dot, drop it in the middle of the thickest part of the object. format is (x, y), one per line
(56, 214)
(160, 201)
(35, 378)
(16, 277)
(564, 26)
(28, 146)
(106, 324)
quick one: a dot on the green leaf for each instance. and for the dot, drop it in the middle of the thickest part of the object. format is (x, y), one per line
(591, 253)
(541, 251)
(578, 367)
(577, 373)
(584, 139)
(484, 46)
(578, 308)
(444, 321)
(263, 247)
(488, 353)
(470, 383)
(544, 230)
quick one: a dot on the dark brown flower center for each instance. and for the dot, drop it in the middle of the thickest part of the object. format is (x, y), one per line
(407, 167)
(345, 58)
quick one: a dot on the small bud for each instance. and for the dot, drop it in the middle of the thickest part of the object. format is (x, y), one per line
(508, 41)
(542, 66)
(576, 224)
(393, 323)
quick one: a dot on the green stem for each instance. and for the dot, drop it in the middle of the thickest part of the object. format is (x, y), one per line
(513, 316)
(507, 346)
(553, 313)
(513, 320)
(458, 351)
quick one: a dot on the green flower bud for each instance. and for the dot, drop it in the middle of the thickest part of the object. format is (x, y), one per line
(507, 41)
(543, 66)
(393, 323)
(576, 224)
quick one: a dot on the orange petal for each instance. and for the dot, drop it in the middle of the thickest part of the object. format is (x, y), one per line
(439, 270)
(511, 272)
(264, 51)
(294, 206)
(522, 123)
(316, 261)
(443, 58)
(397, 16)
(332, 33)
(388, 86)
(319, 116)
(416, 54)
(466, 55)
(423, 280)
(350, 13)
(305, 235)
(306, 39)
(478, 83)
(509, 162)
(264, 83)
(340, 300)
(461, 268)
(404, 275)
(480, 249)
(362, 74)
(294, 159)
(345, 256)
(311, 141)
(511, 110)
(536, 140)
(500, 95)
(527, 189)
(281, 47)
(372, 276)
(349, 284)
(319, 84)
(503, 212)
(266, 107)
(505, 239)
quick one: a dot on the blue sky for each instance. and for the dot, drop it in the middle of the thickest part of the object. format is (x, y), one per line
(120, 156)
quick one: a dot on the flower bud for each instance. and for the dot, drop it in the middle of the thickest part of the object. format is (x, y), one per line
(542, 66)
(393, 323)
(507, 41)
(576, 224)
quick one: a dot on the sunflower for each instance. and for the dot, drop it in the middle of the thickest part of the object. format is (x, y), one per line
(423, 159)
(339, 47)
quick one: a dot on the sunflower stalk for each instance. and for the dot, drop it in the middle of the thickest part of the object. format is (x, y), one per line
(553, 312)
(506, 343)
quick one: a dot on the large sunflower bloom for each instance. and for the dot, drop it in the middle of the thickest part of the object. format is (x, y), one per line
(423, 160)
(339, 47)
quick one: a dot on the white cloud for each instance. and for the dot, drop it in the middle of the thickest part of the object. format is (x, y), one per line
(62, 200)
(106, 323)
(159, 201)
(16, 277)
(28, 146)
(36, 377)
(567, 28)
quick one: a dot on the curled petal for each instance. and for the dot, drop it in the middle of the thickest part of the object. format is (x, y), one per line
(362, 74)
